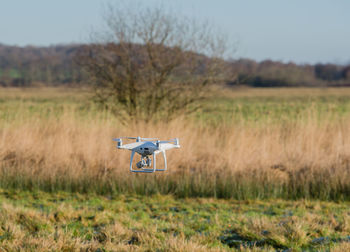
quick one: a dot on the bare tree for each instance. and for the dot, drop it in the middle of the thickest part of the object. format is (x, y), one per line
(151, 63)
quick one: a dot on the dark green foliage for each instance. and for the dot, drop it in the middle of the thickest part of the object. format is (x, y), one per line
(236, 186)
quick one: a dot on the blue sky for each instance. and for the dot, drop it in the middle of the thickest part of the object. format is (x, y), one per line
(303, 31)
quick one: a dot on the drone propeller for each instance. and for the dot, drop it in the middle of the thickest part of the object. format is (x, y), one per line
(174, 141)
(140, 138)
(149, 139)
(169, 141)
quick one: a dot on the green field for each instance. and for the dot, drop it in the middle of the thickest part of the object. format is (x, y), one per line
(62, 221)
(242, 105)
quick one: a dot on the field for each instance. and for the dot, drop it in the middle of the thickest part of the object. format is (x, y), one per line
(258, 168)
(68, 222)
(243, 144)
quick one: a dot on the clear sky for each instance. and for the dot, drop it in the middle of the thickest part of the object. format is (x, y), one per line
(303, 31)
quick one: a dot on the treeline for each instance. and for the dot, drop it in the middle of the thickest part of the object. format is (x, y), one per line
(56, 65)
(277, 74)
(30, 66)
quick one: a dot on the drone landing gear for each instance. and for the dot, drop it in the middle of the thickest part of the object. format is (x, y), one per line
(146, 162)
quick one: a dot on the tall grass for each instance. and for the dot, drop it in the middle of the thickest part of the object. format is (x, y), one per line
(302, 158)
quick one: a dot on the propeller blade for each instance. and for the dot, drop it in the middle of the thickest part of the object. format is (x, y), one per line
(149, 139)
(141, 138)
(168, 141)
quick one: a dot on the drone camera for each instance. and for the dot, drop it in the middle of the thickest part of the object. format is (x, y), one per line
(144, 162)
(140, 165)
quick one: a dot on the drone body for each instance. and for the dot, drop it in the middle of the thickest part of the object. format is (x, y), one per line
(147, 147)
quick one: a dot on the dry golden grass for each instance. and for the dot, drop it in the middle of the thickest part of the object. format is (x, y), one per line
(303, 158)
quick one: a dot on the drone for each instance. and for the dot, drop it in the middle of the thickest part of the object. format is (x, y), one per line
(147, 147)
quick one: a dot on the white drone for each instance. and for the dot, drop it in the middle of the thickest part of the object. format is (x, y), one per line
(146, 147)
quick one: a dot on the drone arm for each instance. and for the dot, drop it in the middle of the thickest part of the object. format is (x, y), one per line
(119, 142)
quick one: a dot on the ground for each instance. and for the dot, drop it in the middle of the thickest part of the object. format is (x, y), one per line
(38, 221)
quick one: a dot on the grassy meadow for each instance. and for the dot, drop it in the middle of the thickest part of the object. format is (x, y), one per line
(241, 144)
(38, 221)
(258, 169)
